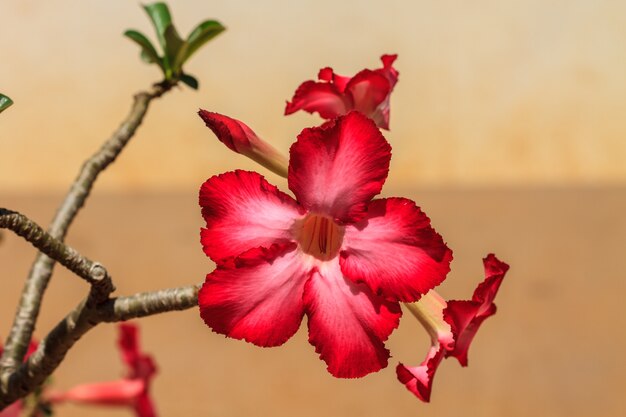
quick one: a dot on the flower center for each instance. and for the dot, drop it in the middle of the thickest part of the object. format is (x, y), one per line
(319, 236)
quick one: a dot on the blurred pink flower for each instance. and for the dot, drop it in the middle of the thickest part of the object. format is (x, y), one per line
(131, 391)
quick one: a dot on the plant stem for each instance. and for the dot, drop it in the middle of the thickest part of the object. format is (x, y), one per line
(79, 321)
(32, 294)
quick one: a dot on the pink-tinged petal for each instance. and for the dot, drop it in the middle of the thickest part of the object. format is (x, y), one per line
(494, 274)
(465, 317)
(241, 139)
(258, 297)
(395, 251)
(388, 70)
(368, 90)
(14, 410)
(321, 97)
(120, 392)
(429, 311)
(338, 169)
(419, 379)
(242, 211)
(339, 81)
(381, 114)
(326, 74)
(348, 325)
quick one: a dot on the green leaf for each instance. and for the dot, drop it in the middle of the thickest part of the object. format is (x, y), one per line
(189, 80)
(5, 102)
(202, 33)
(148, 52)
(166, 33)
(161, 19)
(173, 45)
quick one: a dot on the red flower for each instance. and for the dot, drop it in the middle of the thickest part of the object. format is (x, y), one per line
(452, 327)
(334, 95)
(333, 254)
(131, 391)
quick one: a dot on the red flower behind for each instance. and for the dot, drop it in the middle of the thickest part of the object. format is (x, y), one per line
(130, 391)
(334, 254)
(452, 326)
(335, 95)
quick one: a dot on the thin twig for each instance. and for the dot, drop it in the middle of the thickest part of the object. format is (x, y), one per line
(90, 271)
(57, 343)
(30, 301)
(149, 303)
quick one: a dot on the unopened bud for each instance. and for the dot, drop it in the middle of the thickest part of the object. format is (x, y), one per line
(241, 139)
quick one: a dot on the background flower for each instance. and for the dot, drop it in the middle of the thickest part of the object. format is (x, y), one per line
(333, 95)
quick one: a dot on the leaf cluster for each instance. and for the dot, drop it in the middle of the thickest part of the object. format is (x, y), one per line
(175, 50)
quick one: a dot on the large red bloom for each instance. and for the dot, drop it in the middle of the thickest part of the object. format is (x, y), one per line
(333, 253)
(130, 391)
(452, 326)
(334, 95)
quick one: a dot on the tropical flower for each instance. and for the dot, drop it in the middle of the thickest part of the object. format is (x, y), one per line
(334, 95)
(130, 391)
(334, 253)
(452, 326)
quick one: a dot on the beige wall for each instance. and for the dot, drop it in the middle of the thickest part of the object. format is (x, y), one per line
(491, 92)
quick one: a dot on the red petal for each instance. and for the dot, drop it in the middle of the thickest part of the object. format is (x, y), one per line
(258, 298)
(419, 379)
(388, 70)
(368, 90)
(465, 317)
(337, 170)
(242, 211)
(494, 274)
(120, 392)
(395, 251)
(381, 115)
(144, 407)
(231, 132)
(141, 365)
(321, 97)
(347, 323)
(128, 343)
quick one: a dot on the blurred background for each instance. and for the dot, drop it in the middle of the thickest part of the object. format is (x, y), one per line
(508, 129)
